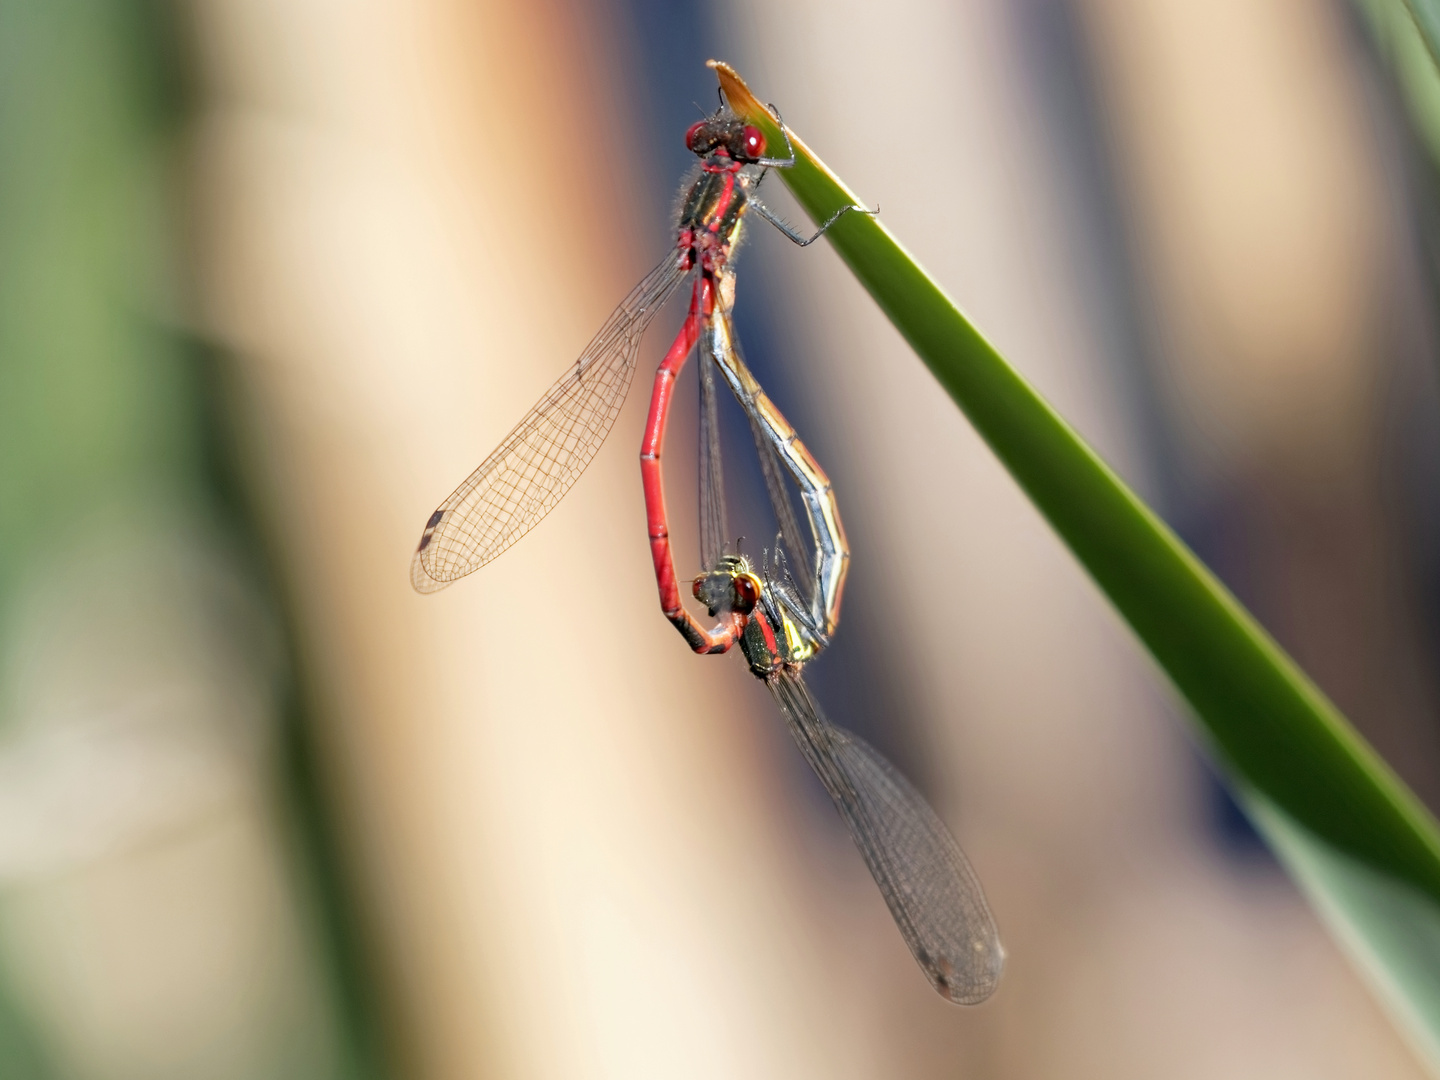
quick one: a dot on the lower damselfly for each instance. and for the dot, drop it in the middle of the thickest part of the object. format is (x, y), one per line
(782, 619)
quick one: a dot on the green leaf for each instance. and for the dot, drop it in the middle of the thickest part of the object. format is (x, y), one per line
(1361, 845)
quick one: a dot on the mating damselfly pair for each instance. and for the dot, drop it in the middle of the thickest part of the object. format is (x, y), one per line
(779, 615)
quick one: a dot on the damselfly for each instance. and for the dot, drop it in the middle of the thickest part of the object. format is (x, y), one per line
(779, 621)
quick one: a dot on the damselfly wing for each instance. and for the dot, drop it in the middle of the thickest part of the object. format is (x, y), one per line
(539, 461)
(927, 882)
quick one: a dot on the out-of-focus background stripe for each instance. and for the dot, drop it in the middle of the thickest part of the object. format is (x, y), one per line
(274, 277)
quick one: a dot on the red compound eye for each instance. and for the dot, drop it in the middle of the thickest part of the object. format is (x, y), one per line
(754, 142)
(692, 136)
(746, 595)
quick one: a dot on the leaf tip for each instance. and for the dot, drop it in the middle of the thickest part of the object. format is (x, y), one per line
(736, 92)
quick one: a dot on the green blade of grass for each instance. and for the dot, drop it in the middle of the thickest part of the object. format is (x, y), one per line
(1358, 841)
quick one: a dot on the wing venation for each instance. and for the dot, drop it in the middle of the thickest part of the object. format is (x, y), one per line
(539, 461)
(926, 880)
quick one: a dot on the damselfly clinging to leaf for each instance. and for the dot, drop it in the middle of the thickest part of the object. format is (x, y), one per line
(780, 620)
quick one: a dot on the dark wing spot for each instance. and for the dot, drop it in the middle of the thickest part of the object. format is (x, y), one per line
(430, 529)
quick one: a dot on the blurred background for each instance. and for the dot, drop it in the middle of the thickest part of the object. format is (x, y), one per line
(275, 276)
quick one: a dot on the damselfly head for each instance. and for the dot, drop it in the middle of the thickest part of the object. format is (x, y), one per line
(728, 135)
(731, 586)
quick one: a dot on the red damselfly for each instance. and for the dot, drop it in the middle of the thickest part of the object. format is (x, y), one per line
(779, 621)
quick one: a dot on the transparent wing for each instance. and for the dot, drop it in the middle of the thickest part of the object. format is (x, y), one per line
(770, 464)
(779, 491)
(714, 530)
(926, 881)
(538, 462)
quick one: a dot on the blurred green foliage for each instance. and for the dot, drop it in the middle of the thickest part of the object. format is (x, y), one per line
(111, 412)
